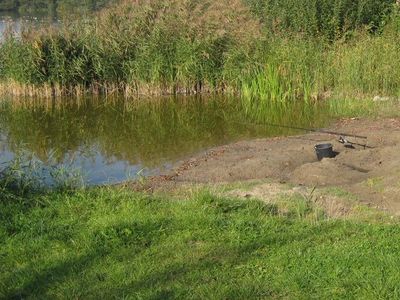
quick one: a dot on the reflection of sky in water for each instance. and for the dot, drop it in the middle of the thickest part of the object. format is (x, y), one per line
(7, 23)
(16, 23)
(5, 154)
(92, 165)
(99, 169)
(95, 167)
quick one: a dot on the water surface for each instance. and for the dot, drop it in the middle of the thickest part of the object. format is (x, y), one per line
(13, 22)
(111, 140)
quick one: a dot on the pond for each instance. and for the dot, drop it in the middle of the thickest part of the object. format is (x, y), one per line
(112, 140)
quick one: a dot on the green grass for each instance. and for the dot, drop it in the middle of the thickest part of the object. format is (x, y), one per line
(109, 243)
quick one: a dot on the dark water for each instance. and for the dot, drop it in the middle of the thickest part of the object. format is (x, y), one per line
(114, 140)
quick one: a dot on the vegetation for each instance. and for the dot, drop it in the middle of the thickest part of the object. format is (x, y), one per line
(331, 19)
(58, 238)
(109, 242)
(256, 48)
(8, 5)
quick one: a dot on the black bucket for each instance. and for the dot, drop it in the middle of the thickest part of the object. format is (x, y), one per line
(324, 151)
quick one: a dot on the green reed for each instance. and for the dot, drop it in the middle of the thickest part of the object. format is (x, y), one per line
(330, 19)
(179, 47)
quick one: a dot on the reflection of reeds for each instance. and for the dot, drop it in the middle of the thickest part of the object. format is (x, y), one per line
(148, 132)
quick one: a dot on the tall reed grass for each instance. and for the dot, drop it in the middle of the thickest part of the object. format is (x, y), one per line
(329, 19)
(186, 47)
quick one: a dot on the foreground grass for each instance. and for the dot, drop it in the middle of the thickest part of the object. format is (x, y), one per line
(107, 243)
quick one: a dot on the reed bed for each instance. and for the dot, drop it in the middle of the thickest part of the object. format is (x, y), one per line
(249, 48)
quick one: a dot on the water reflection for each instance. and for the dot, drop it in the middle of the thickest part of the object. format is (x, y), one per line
(11, 21)
(111, 140)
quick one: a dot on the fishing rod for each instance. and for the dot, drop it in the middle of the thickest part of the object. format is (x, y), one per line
(314, 130)
(342, 135)
(350, 145)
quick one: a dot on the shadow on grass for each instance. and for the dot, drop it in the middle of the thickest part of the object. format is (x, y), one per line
(158, 282)
(39, 284)
(228, 240)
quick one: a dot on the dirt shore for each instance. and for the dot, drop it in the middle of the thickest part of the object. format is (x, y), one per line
(372, 173)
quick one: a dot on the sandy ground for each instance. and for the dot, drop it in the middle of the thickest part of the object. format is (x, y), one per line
(371, 174)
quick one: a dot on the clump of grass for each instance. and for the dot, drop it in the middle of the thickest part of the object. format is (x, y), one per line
(26, 176)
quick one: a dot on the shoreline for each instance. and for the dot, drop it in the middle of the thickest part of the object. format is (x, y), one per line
(368, 174)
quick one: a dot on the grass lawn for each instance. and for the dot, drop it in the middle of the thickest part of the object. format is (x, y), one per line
(108, 243)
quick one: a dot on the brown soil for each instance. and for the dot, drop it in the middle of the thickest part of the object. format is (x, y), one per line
(372, 174)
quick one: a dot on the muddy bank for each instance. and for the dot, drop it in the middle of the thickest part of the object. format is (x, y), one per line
(372, 174)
